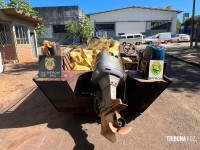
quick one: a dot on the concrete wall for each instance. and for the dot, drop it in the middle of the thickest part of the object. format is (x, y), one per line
(130, 27)
(129, 16)
(60, 15)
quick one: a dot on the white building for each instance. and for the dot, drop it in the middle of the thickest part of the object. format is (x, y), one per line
(148, 21)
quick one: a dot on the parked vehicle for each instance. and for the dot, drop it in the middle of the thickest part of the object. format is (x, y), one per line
(102, 34)
(131, 39)
(180, 38)
(1, 63)
(162, 37)
(116, 38)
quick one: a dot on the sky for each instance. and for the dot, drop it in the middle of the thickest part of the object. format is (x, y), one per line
(92, 6)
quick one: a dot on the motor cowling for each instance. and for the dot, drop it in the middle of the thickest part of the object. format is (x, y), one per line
(106, 64)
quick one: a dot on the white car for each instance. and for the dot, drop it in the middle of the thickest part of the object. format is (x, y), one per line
(160, 37)
(131, 39)
(1, 63)
(180, 38)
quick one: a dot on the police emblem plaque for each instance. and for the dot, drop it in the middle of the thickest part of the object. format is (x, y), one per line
(49, 66)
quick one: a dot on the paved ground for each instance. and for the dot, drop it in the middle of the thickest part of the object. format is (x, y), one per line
(34, 123)
(181, 51)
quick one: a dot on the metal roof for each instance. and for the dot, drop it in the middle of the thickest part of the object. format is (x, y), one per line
(162, 9)
(21, 14)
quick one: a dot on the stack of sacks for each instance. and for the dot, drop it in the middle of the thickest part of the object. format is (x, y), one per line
(83, 58)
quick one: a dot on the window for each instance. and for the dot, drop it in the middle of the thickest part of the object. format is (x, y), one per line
(5, 33)
(137, 36)
(129, 37)
(59, 29)
(173, 36)
(121, 33)
(123, 37)
(22, 34)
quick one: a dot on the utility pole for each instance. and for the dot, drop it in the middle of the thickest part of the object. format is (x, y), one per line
(192, 31)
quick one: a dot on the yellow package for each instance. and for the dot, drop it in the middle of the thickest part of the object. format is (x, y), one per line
(45, 50)
(47, 43)
(75, 52)
(114, 43)
(92, 43)
(72, 65)
(95, 53)
(80, 67)
(114, 50)
(126, 59)
(86, 53)
(87, 62)
(78, 59)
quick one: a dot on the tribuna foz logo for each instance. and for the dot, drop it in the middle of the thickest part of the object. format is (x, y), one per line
(181, 139)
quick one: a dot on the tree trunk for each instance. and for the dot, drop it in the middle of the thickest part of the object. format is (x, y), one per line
(196, 37)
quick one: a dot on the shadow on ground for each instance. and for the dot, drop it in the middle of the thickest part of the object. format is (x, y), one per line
(183, 75)
(21, 67)
(36, 109)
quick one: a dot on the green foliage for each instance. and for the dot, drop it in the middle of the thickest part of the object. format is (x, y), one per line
(39, 29)
(23, 5)
(168, 7)
(188, 22)
(178, 25)
(80, 28)
(72, 29)
(2, 4)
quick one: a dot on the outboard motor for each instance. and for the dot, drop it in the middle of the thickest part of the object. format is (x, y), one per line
(108, 74)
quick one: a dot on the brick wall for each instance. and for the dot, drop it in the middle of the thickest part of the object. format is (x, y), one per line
(24, 52)
(9, 51)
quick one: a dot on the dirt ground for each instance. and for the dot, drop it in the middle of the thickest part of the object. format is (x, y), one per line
(15, 80)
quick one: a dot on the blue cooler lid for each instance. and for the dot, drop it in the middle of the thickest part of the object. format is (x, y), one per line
(154, 52)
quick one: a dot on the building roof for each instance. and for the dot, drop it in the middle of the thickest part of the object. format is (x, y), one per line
(21, 14)
(162, 9)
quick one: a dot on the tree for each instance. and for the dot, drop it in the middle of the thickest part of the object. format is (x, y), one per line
(188, 22)
(39, 29)
(168, 7)
(72, 29)
(178, 25)
(2, 4)
(23, 5)
(80, 28)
